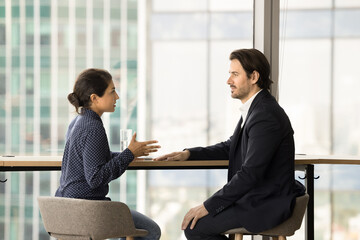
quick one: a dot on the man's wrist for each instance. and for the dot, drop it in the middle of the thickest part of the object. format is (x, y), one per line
(187, 152)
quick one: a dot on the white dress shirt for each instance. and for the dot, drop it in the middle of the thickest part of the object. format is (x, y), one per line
(244, 108)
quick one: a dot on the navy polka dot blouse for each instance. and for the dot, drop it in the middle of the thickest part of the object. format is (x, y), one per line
(88, 165)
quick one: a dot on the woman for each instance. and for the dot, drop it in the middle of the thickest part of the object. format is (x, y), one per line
(88, 164)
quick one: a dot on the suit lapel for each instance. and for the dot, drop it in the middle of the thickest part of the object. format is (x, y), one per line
(257, 99)
(234, 140)
(236, 136)
(235, 154)
(238, 130)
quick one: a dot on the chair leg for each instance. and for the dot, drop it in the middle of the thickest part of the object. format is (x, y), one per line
(238, 236)
(279, 238)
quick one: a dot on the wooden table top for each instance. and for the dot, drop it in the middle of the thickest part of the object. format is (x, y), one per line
(55, 161)
(326, 159)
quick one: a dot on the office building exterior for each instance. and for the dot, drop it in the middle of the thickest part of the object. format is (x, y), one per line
(43, 46)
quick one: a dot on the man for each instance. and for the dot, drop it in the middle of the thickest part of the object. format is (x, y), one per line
(261, 188)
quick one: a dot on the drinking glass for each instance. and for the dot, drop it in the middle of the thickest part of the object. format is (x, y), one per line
(125, 138)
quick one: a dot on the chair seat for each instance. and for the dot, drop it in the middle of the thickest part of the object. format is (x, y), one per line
(79, 219)
(238, 230)
(287, 228)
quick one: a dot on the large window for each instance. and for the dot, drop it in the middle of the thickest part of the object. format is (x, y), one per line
(169, 61)
(189, 44)
(318, 85)
(44, 45)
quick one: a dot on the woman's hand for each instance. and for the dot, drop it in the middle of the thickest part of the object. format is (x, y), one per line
(175, 156)
(139, 149)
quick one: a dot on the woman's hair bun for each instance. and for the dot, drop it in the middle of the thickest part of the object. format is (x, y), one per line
(74, 100)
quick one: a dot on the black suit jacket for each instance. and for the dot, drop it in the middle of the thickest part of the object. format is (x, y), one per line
(261, 187)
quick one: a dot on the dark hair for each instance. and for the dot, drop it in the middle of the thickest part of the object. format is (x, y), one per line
(254, 60)
(89, 81)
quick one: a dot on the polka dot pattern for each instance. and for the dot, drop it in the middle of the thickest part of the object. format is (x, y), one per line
(88, 165)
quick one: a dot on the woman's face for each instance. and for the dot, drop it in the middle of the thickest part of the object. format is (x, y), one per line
(107, 102)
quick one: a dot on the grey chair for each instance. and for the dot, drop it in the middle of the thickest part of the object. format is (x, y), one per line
(68, 218)
(281, 231)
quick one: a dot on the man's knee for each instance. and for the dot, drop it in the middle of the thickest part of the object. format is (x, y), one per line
(200, 231)
(204, 230)
(192, 234)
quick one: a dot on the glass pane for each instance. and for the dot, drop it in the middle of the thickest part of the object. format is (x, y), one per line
(300, 24)
(318, 89)
(2, 84)
(179, 6)
(2, 34)
(231, 5)
(45, 11)
(305, 4)
(15, 35)
(344, 23)
(63, 12)
(231, 25)
(347, 3)
(2, 12)
(190, 103)
(308, 107)
(15, 12)
(346, 127)
(178, 26)
(167, 109)
(29, 11)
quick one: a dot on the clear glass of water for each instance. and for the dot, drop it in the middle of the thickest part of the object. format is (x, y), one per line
(125, 138)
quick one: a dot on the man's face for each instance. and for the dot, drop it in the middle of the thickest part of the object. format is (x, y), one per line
(238, 81)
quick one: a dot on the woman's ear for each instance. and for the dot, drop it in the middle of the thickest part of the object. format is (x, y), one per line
(93, 98)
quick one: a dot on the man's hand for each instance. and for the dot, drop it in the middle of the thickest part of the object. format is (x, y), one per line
(175, 156)
(194, 214)
(139, 149)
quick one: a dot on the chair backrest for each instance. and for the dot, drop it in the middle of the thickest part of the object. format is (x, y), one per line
(292, 224)
(70, 218)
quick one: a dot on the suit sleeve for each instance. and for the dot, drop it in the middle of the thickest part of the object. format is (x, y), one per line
(264, 131)
(218, 151)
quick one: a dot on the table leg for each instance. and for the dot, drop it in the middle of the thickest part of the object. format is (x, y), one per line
(309, 218)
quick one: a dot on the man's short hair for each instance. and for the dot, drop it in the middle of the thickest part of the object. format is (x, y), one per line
(254, 60)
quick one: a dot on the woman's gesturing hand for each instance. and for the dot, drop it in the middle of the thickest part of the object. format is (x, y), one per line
(139, 149)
